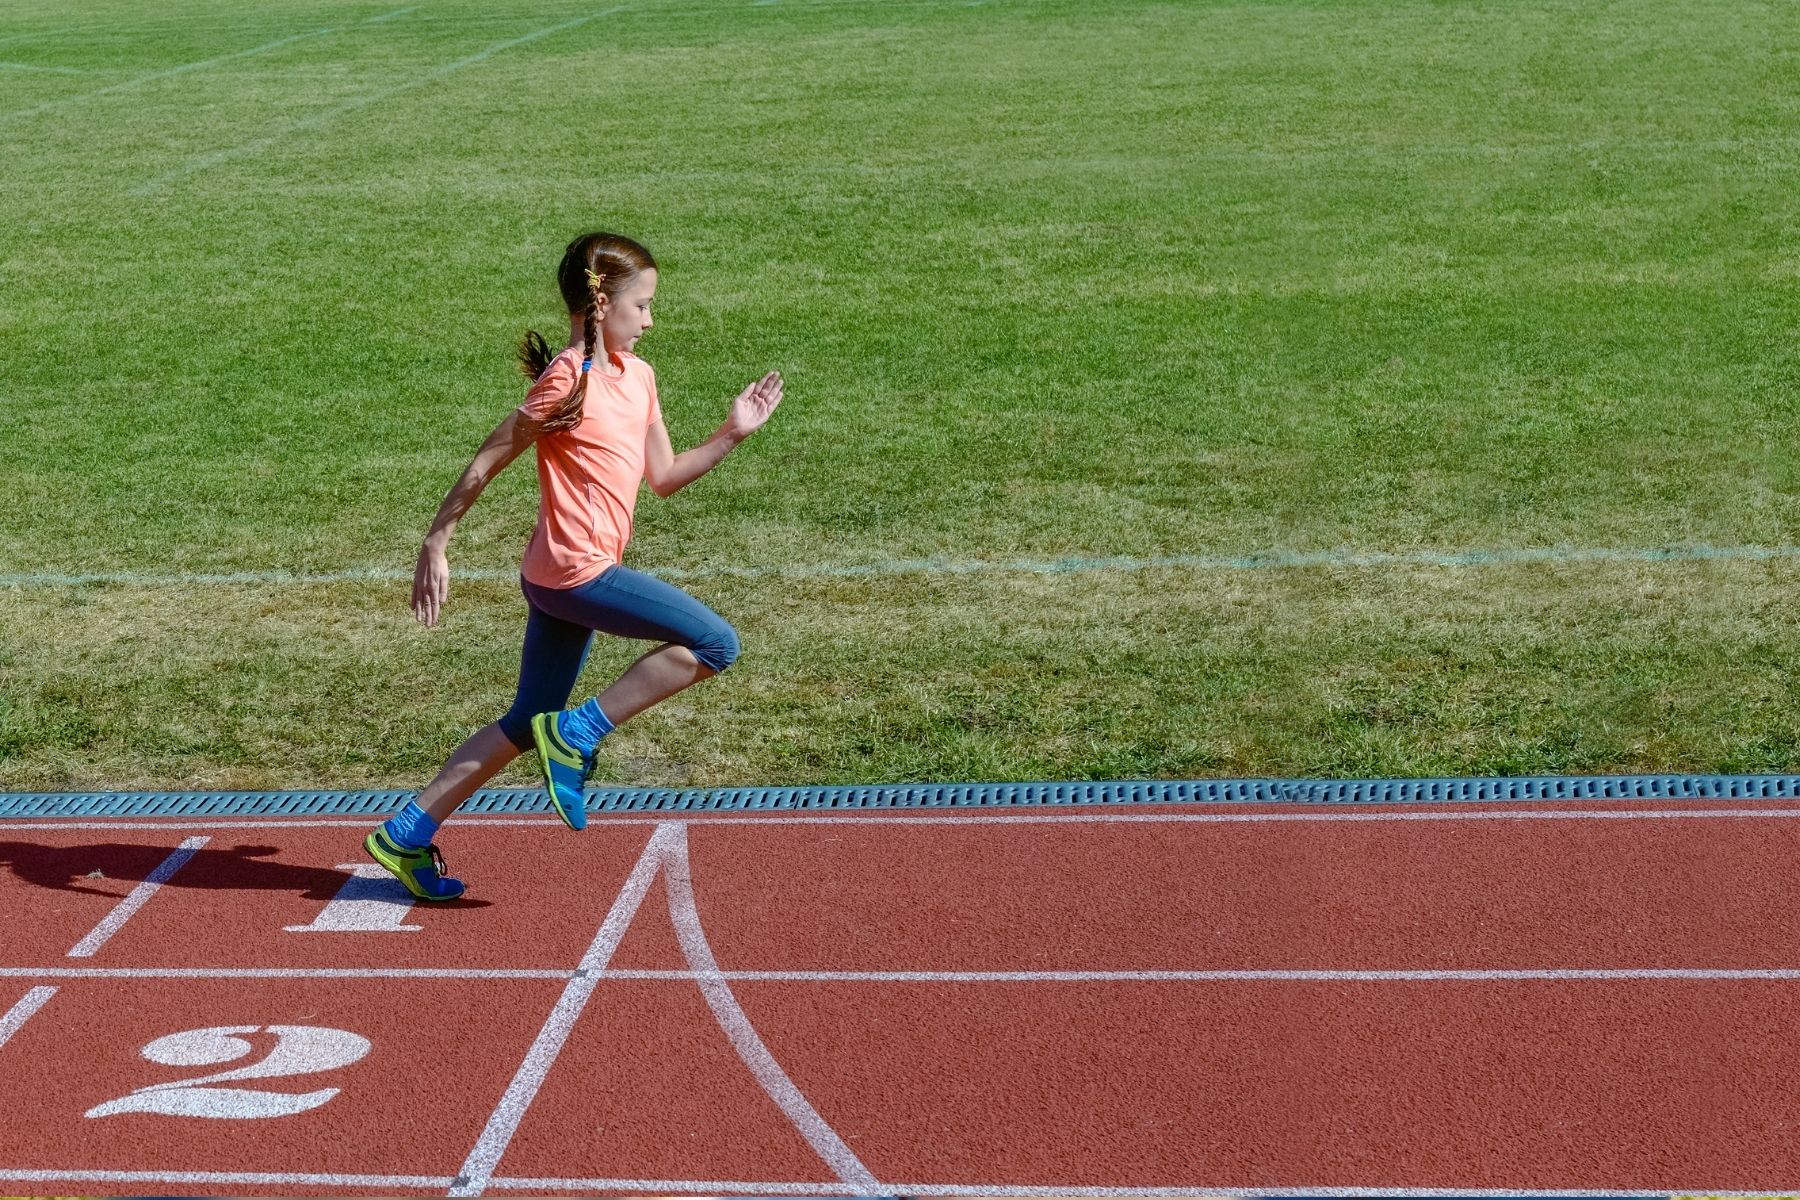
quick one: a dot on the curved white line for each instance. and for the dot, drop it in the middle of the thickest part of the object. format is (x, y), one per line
(507, 1115)
(678, 880)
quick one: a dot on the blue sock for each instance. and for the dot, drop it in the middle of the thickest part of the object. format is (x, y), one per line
(411, 828)
(583, 727)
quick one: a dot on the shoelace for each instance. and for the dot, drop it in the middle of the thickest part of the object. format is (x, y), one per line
(437, 860)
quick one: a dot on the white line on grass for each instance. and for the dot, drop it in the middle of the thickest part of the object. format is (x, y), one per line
(183, 69)
(28, 1005)
(137, 898)
(19, 66)
(202, 162)
(42, 33)
(679, 883)
(505, 1119)
(1261, 560)
(389, 16)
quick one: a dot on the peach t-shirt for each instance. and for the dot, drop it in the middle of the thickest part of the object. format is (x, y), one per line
(588, 476)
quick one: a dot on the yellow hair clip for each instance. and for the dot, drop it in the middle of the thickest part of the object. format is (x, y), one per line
(595, 279)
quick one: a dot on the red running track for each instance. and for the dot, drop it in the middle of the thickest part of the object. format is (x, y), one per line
(1107, 1001)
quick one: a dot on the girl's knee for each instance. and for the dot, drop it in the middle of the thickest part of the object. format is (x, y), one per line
(718, 649)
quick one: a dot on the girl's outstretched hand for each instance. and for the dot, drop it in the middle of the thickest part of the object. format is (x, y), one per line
(754, 404)
(431, 583)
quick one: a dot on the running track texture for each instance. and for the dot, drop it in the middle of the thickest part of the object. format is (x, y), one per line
(1536, 997)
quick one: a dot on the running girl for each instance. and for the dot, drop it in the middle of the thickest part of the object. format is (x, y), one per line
(593, 416)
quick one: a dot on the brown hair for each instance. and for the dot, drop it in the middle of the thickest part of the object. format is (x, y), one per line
(594, 265)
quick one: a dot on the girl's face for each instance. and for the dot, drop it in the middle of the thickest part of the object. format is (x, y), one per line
(625, 317)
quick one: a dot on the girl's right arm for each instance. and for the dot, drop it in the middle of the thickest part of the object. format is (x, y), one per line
(431, 577)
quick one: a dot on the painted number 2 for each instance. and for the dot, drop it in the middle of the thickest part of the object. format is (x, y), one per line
(298, 1050)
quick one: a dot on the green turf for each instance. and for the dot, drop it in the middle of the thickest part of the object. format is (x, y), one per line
(1045, 279)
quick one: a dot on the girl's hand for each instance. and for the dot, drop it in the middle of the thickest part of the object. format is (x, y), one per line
(753, 405)
(431, 583)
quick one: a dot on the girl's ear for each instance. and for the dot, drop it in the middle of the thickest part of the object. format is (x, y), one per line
(601, 303)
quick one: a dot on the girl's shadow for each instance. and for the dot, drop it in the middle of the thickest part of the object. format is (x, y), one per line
(243, 867)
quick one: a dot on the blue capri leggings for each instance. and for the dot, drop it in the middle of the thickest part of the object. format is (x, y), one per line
(562, 622)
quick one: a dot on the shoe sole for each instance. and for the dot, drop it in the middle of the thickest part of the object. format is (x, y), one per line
(409, 885)
(540, 739)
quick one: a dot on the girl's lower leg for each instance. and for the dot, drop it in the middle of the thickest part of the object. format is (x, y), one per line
(653, 678)
(470, 765)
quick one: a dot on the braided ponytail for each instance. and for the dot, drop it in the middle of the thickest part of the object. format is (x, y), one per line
(595, 266)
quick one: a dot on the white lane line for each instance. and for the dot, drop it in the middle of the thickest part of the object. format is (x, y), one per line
(1485, 975)
(505, 1119)
(381, 1183)
(1187, 1192)
(137, 898)
(705, 976)
(678, 880)
(1112, 814)
(183, 69)
(363, 1183)
(16, 1016)
(282, 973)
(389, 16)
(202, 162)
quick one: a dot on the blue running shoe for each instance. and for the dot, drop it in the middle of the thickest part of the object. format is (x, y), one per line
(565, 769)
(421, 870)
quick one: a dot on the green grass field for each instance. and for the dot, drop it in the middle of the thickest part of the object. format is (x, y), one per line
(1048, 280)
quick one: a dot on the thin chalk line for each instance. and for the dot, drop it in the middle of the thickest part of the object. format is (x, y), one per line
(679, 884)
(709, 977)
(201, 162)
(510, 1111)
(183, 69)
(1257, 561)
(28, 1005)
(19, 66)
(137, 898)
(180, 70)
(971, 817)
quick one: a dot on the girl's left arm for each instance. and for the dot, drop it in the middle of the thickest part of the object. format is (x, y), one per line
(668, 472)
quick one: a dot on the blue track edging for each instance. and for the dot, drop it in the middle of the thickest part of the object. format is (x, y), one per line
(922, 795)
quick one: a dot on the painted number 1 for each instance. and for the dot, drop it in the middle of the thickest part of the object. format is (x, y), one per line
(298, 1050)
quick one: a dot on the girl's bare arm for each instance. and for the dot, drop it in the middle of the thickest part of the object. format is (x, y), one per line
(668, 472)
(431, 577)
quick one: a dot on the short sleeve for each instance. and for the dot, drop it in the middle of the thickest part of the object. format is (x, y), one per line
(551, 388)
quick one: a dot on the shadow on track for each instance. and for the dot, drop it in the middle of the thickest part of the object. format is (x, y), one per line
(243, 867)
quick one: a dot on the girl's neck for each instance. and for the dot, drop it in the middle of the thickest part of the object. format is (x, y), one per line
(601, 356)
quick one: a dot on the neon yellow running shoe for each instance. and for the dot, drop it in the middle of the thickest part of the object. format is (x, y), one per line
(565, 769)
(422, 870)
